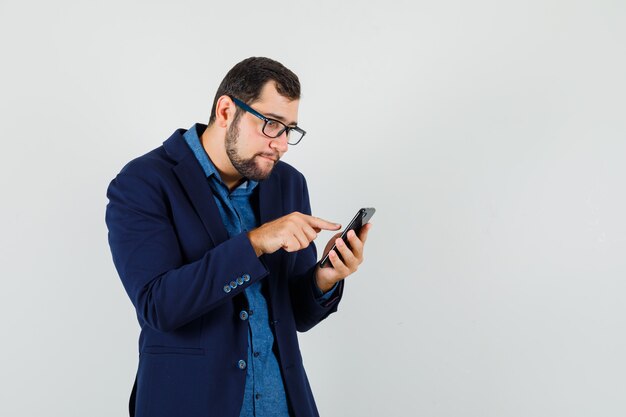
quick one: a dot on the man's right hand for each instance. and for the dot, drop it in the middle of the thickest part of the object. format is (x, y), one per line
(292, 232)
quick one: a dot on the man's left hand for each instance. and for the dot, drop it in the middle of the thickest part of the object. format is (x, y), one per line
(352, 257)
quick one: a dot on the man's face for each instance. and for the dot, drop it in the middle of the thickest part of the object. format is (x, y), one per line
(253, 154)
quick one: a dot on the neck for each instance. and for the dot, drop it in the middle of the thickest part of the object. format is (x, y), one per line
(213, 143)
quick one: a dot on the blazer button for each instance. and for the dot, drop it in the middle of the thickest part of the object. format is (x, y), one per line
(233, 285)
(246, 277)
(239, 280)
(243, 315)
(242, 364)
(226, 289)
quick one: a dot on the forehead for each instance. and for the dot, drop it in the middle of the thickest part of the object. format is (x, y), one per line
(274, 105)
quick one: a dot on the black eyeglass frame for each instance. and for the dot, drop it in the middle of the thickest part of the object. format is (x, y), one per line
(266, 119)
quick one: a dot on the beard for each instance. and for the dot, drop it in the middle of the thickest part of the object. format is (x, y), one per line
(247, 167)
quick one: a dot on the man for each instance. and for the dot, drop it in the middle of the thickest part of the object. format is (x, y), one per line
(212, 237)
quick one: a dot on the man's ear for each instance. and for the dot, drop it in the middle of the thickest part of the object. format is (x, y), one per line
(224, 111)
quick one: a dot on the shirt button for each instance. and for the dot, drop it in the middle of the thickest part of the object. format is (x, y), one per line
(246, 277)
(256, 354)
(239, 280)
(243, 315)
(233, 285)
(258, 396)
(242, 364)
(226, 289)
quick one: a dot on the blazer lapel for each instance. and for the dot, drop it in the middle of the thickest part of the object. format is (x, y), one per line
(196, 185)
(270, 199)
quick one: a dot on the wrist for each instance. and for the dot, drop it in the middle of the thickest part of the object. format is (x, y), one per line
(323, 284)
(255, 244)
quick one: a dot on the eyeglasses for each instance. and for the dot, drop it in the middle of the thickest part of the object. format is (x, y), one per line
(273, 128)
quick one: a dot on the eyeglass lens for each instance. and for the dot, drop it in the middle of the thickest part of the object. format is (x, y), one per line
(274, 129)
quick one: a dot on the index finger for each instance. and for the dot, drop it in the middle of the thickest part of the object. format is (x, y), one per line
(322, 224)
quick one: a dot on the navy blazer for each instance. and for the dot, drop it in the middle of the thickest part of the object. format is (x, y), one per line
(177, 263)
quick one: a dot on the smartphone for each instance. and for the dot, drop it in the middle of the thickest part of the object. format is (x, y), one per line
(361, 218)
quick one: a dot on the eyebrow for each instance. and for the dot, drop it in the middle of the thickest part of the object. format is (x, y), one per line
(281, 118)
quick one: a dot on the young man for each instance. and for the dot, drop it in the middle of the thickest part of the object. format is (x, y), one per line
(212, 237)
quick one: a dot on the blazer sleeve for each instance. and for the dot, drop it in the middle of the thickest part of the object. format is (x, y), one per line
(167, 291)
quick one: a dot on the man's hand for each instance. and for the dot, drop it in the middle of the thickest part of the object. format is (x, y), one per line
(292, 232)
(327, 277)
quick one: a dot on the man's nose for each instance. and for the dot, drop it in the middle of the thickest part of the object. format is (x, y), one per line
(280, 143)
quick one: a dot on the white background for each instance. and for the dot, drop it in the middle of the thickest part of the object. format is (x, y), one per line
(489, 135)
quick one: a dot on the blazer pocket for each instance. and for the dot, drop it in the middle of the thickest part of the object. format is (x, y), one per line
(172, 350)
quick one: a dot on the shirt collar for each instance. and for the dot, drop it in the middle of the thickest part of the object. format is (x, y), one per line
(192, 137)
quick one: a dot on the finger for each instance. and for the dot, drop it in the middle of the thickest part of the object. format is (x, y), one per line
(301, 232)
(364, 232)
(310, 233)
(340, 268)
(302, 239)
(291, 244)
(356, 244)
(348, 257)
(321, 223)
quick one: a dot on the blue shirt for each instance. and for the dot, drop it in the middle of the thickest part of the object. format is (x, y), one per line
(264, 391)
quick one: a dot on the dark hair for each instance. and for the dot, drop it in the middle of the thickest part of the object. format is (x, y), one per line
(246, 79)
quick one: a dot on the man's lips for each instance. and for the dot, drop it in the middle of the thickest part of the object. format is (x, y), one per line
(272, 158)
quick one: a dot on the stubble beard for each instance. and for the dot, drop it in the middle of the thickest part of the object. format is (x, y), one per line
(246, 167)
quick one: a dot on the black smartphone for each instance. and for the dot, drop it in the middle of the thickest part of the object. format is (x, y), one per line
(361, 218)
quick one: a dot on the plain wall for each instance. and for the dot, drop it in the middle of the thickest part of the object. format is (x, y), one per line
(489, 135)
